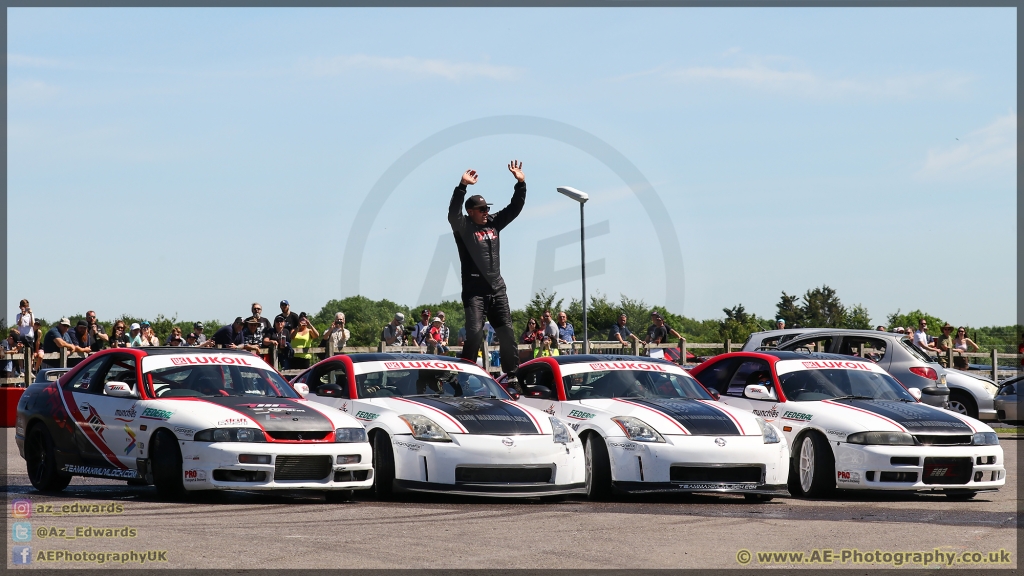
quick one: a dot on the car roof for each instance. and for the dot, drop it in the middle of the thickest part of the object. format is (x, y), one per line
(583, 358)
(788, 355)
(802, 331)
(160, 350)
(383, 356)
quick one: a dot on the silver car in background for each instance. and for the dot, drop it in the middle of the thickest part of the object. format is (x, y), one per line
(967, 393)
(1006, 402)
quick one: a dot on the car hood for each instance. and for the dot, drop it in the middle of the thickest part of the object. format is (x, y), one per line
(680, 415)
(490, 416)
(271, 414)
(881, 415)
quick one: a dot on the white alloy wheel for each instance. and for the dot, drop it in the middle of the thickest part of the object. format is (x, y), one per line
(806, 464)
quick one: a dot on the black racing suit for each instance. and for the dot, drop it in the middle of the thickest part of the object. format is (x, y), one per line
(483, 289)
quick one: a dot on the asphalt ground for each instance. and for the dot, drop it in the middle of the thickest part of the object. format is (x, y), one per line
(295, 530)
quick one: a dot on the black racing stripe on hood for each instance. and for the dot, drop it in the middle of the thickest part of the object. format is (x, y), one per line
(916, 418)
(275, 414)
(484, 415)
(697, 417)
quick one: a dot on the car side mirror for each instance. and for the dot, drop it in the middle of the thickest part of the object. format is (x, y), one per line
(758, 392)
(119, 390)
(714, 394)
(302, 389)
(916, 393)
(332, 390)
(542, 392)
(511, 392)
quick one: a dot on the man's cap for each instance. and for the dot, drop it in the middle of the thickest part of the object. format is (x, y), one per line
(476, 201)
(239, 320)
(134, 326)
(436, 319)
(82, 324)
(440, 314)
(780, 320)
(37, 321)
(279, 318)
(192, 335)
(284, 303)
(198, 325)
(252, 320)
(400, 317)
(145, 322)
(65, 322)
(947, 325)
(425, 311)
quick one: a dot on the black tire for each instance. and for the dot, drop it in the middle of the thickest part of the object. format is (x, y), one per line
(383, 466)
(961, 495)
(41, 462)
(599, 469)
(165, 458)
(756, 498)
(963, 403)
(812, 468)
(335, 496)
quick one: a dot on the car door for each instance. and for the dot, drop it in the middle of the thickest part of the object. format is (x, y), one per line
(325, 374)
(540, 389)
(120, 415)
(90, 425)
(751, 371)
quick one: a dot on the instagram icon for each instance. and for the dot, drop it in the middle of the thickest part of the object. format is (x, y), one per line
(21, 508)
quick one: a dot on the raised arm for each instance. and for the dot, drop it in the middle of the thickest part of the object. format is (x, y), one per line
(455, 216)
(507, 214)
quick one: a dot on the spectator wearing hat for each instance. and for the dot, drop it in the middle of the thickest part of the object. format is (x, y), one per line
(432, 338)
(190, 340)
(230, 336)
(393, 333)
(780, 324)
(445, 331)
(336, 337)
(291, 319)
(197, 331)
(81, 336)
(303, 336)
(279, 337)
(148, 336)
(944, 343)
(484, 293)
(58, 338)
(175, 338)
(419, 331)
(135, 335)
(9, 348)
(252, 334)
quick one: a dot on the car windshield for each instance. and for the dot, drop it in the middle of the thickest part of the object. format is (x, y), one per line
(408, 383)
(804, 385)
(632, 384)
(200, 381)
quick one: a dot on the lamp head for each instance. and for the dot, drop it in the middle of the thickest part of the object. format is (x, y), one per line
(573, 193)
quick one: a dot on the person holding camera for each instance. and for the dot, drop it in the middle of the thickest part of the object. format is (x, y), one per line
(483, 288)
(337, 335)
(303, 336)
(97, 337)
(394, 333)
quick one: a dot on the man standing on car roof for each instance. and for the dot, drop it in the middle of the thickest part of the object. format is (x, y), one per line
(483, 288)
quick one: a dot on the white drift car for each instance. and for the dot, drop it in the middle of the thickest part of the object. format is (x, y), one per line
(187, 419)
(649, 427)
(853, 426)
(440, 424)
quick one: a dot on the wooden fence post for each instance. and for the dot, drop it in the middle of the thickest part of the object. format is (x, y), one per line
(682, 350)
(995, 365)
(486, 354)
(63, 356)
(28, 366)
(949, 357)
(273, 358)
(728, 345)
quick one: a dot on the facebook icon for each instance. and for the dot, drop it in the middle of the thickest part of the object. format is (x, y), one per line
(21, 555)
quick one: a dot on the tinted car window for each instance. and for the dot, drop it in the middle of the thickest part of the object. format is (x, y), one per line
(82, 381)
(329, 373)
(873, 349)
(716, 376)
(749, 372)
(811, 344)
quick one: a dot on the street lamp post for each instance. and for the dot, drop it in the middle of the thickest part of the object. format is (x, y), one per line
(582, 198)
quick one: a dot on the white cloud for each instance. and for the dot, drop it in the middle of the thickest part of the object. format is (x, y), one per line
(25, 61)
(409, 65)
(787, 76)
(993, 146)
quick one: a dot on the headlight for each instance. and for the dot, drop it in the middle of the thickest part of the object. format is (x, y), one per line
(230, 435)
(881, 438)
(985, 439)
(559, 432)
(350, 435)
(425, 429)
(637, 430)
(1007, 389)
(768, 433)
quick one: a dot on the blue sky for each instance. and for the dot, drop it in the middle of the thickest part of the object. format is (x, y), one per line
(191, 161)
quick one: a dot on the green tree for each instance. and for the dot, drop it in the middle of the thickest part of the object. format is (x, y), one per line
(789, 309)
(857, 317)
(910, 320)
(822, 309)
(364, 318)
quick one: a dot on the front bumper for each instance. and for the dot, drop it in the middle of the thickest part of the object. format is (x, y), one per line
(206, 465)
(433, 466)
(647, 466)
(892, 468)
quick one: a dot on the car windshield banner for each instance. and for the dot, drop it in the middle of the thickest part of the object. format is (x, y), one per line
(158, 361)
(787, 366)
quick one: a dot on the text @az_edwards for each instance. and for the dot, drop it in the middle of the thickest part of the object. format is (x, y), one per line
(856, 556)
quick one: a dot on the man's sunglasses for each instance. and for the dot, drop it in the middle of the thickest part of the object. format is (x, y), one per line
(484, 209)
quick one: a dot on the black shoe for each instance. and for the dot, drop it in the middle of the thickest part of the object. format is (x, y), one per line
(512, 383)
